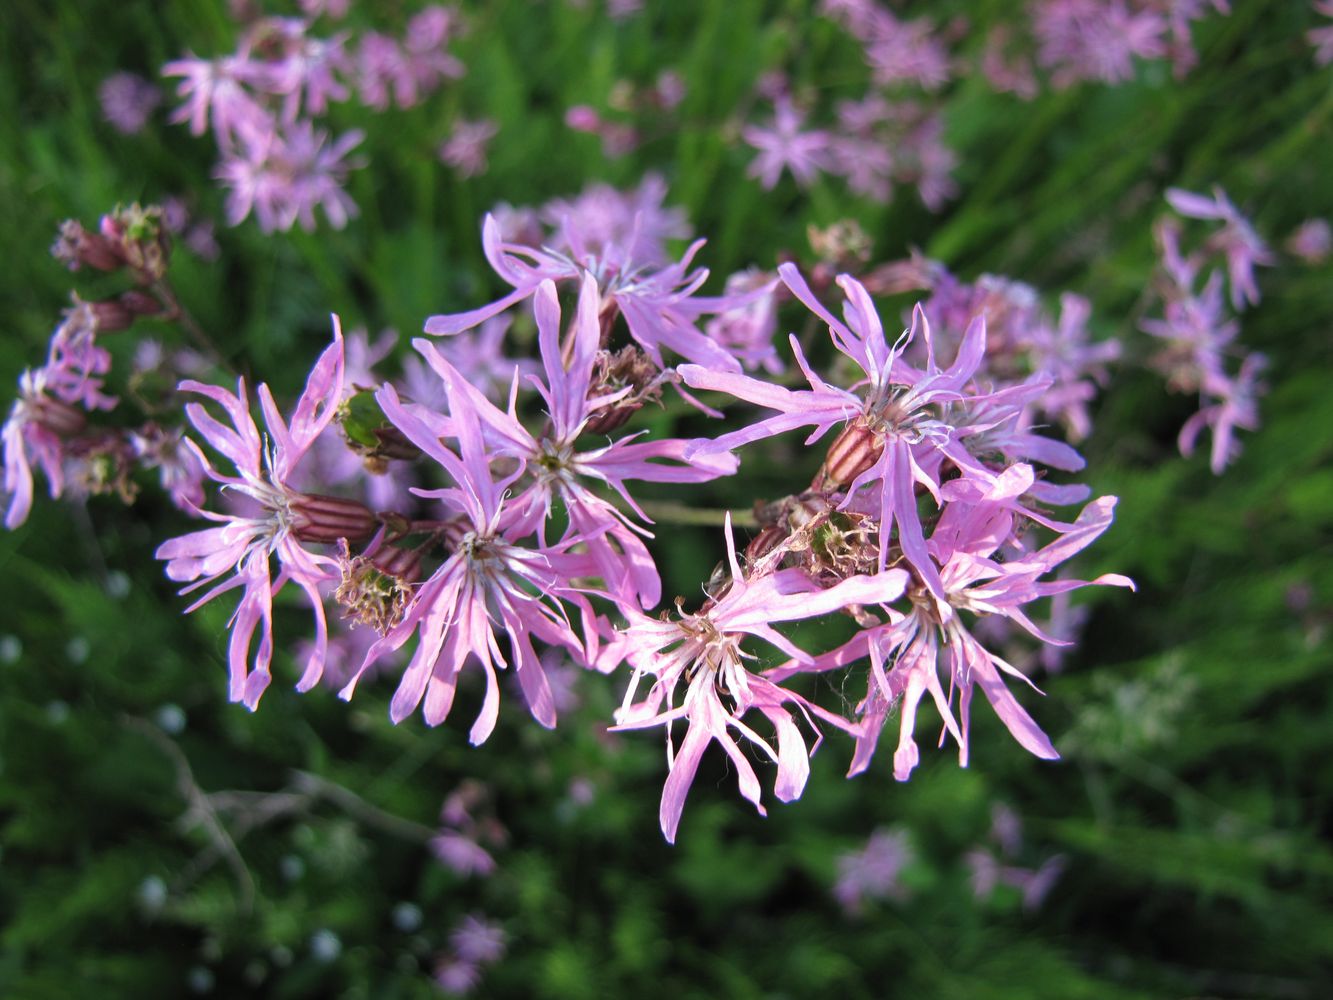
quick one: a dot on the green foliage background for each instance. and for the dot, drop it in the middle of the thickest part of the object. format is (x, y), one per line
(1193, 804)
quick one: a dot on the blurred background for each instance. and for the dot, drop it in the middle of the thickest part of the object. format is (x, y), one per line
(160, 841)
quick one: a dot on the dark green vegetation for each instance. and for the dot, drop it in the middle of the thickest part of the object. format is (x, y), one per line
(1194, 805)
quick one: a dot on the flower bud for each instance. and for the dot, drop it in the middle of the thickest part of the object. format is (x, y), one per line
(856, 449)
(75, 246)
(319, 518)
(60, 418)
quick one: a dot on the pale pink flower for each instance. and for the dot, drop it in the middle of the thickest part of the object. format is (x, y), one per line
(703, 650)
(285, 174)
(1312, 241)
(478, 940)
(219, 89)
(1322, 38)
(1233, 404)
(1095, 39)
(461, 854)
(239, 552)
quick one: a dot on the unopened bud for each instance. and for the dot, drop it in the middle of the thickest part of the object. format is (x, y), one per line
(57, 416)
(403, 564)
(75, 247)
(328, 519)
(856, 449)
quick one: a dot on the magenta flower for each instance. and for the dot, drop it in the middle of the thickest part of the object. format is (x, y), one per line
(906, 655)
(658, 304)
(560, 468)
(489, 580)
(893, 424)
(704, 650)
(786, 146)
(281, 523)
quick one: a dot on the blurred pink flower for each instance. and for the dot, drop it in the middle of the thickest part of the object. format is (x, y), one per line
(874, 871)
(465, 149)
(127, 101)
(785, 146)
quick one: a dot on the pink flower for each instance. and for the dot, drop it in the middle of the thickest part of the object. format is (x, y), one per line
(461, 854)
(561, 468)
(894, 429)
(605, 222)
(181, 470)
(874, 871)
(1095, 39)
(478, 940)
(281, 523)
(219, 89)
(488, 580)
(786, 147)
(704, 651)
(34, 433)
(906, 655)
(658, 303)
(1322, 38)
(1236, 240)
(1313, 239)
(465, 149)
(127, 101)
(1234, 403)
(283, 175)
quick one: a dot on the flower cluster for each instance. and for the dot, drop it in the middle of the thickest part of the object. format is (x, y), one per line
(466, 523)
(1198, 331)
(263, 103)
(891, 134)
(49, 424)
